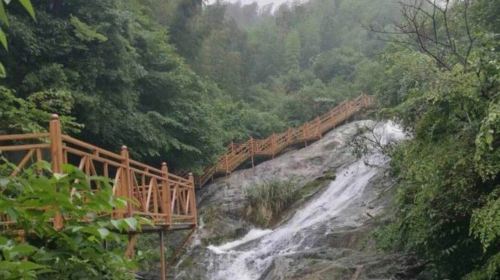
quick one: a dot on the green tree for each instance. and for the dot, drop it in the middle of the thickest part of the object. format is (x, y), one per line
(292, 51)
(448, 173)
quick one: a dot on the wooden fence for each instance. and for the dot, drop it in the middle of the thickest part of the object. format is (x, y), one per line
(166, 199)
(155, 193)
(237, 154)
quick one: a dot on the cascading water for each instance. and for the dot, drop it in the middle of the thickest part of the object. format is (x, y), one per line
(249, 257)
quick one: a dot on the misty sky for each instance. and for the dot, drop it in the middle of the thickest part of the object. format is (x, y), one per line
(262, 3)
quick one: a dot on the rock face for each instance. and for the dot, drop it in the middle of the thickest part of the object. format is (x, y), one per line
(326, 236)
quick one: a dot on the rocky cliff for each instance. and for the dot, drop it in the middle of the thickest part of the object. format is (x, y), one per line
(326, 234)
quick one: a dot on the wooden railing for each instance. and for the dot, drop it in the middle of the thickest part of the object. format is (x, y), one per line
(168, 200)
(237, 154)
(155, 193)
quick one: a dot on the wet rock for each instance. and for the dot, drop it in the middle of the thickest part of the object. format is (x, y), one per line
(342, 248)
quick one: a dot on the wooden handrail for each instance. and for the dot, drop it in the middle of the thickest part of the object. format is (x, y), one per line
(166, 199)
(237, 154)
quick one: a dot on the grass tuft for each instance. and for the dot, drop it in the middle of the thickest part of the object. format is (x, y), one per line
(267, 201)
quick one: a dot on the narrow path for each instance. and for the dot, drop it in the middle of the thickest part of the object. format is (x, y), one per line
(237, 154)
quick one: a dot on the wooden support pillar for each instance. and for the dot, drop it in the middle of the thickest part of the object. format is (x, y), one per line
(166, 199)
(56, 154)
(163, 264)
(192, 200)
(132, 241)
(126, 180)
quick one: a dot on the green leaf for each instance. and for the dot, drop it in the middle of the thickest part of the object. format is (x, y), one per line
(132, 223)
(103, 232)
(3, 39)
(76, 229)
(85, 32)
(23, 249)
(59, 176)
(116, 224)
(3, 15)
(30, 266)
(29, 8)
(4, 181)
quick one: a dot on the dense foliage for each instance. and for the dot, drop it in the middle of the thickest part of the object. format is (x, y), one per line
(449, 183)
(111, 67)
(177, 80)
(290, 63)
(75, 252)
(4, 20)
(114, 66)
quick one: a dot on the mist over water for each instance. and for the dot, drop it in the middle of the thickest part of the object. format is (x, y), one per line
(249, 257)
(263, 3)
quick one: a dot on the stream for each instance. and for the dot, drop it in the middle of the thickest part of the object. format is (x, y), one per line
(251, 256)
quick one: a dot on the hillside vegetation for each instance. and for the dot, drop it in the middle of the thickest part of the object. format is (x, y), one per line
(178, 80)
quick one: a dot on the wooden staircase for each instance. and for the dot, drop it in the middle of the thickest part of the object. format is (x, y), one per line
(237, 154)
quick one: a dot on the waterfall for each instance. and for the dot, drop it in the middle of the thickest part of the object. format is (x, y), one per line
(249, 257)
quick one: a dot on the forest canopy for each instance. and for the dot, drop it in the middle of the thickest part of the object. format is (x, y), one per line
(177, 81)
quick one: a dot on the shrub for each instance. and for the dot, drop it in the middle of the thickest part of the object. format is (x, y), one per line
(267, 201)
(78, 250)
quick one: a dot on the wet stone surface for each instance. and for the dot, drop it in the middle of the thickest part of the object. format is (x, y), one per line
(326, 237)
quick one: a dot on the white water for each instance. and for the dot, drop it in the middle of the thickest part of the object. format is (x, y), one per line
(248, 257)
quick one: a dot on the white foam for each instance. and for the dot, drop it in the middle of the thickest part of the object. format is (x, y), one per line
(251, 235)
(250, 261)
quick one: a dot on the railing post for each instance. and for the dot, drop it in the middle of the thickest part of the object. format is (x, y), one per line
(304, 133)
(252, 150)
(345, 109)
(226, 162)
(167, 202)
(56, 154)
(273, 144)
(126, 182)
(318, 127)
(289, 135)
(232, 147)
(192, 202)
(56, 150)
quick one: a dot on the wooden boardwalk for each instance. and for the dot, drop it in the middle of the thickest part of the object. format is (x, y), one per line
(237, 154)
(168, 200)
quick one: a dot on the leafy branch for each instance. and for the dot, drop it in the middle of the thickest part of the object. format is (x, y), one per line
(4, 20)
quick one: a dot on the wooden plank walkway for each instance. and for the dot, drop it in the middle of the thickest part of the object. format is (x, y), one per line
(237, 154)
(166, 199)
